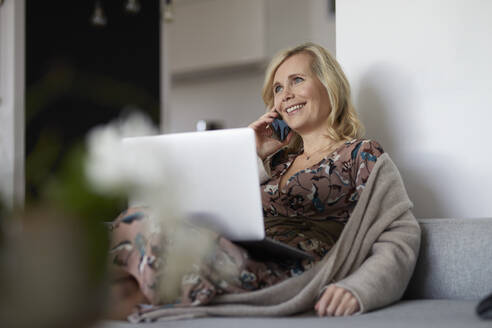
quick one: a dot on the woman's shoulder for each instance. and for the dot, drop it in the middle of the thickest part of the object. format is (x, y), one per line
(361, 148)
(360, 158)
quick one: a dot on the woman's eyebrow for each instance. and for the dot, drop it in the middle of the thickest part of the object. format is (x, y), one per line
(290, 76)
(296, 74)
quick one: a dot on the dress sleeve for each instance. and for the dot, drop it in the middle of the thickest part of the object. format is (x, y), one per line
(364, 155)
(263, 171)
(269, 167)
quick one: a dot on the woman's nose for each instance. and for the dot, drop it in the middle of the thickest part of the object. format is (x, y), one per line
(287, 94)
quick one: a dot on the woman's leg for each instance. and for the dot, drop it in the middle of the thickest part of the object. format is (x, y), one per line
(230, 269)
(131, 269)
(134, 263)
(124, 297)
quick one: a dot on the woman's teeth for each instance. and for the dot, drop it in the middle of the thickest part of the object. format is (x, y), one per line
(293, 108)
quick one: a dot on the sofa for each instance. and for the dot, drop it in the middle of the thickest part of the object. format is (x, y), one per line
(453, 273)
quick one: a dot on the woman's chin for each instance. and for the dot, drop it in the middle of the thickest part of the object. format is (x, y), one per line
(297, 125)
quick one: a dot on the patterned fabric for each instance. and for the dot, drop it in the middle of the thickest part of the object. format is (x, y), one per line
(315, 205)
(319, 199)
(137, 250)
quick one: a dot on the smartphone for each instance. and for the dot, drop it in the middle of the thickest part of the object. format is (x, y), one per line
(280, 129)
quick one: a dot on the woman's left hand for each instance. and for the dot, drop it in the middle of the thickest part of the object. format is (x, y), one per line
(336, 301)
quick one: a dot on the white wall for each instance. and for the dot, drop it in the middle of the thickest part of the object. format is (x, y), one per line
(421, 74)
(234, 97)
(322, 23)
(12, 102)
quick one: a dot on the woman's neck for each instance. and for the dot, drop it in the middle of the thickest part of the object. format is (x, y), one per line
(316, 141)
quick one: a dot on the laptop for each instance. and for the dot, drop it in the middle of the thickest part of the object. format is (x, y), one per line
(217, 185)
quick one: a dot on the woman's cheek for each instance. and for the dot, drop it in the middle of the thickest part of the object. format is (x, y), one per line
(276, 101)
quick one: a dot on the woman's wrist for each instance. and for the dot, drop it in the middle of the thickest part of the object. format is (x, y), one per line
(264, 156)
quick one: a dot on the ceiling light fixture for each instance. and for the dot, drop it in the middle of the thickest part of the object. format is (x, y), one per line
(99, 17)
(168, 11)
(132, 6)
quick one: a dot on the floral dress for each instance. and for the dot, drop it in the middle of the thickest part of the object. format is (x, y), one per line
(316, 202)
(309, 213)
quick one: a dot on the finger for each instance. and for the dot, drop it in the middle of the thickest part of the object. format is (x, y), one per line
(289, 137)
(344, 304)
(353, 307)
(262, 123)
(256, 124)
(330, 293)
(266, 130)
(337, 297)
(271, 114)
(325, 300)
(268, 117)
(328, 299)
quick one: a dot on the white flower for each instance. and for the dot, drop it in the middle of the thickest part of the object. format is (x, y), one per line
(109, 165)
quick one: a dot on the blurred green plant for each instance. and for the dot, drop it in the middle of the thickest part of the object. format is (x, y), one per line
(70, 192)
(53, 253)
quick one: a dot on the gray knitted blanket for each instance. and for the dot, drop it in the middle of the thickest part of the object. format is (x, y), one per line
(374, 258)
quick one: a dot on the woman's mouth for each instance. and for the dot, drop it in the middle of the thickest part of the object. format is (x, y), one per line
(294, 109)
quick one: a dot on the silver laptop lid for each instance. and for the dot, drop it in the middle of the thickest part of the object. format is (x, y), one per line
(216, 177)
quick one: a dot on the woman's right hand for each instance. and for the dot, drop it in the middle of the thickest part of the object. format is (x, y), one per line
(265, 144)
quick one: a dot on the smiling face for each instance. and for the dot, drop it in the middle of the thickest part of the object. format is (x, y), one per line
(299, 96)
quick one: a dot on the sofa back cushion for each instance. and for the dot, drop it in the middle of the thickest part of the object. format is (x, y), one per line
(455, 260)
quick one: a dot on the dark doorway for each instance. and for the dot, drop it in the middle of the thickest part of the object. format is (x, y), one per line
(79, 75)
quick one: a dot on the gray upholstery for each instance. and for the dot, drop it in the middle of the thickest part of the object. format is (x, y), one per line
(453, 272)
(455, 260)
(411, 314)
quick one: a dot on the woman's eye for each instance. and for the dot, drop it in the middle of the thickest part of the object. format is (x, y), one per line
(277, 89)
(298, 79)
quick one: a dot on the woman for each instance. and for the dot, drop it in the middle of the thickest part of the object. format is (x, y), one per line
(311, 185)
(307, 87)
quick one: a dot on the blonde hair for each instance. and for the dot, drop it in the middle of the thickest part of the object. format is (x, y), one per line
(344, 123)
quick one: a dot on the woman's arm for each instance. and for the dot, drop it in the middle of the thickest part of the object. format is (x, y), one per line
(384, 275)
(263, 171)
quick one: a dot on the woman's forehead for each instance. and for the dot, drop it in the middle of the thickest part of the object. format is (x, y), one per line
(298, 63)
